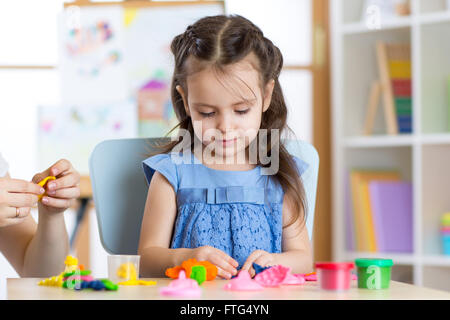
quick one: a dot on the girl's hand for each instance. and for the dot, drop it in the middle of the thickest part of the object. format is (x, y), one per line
(226, 265)
(260, 257)
(16, 199)
(62, 192)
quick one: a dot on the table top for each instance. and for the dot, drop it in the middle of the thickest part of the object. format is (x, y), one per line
(27, 288)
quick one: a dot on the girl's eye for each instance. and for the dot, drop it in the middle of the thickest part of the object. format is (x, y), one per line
(206, 114)
(242, 111)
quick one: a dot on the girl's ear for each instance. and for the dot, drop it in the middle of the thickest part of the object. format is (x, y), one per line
(268, 90)
(183, 96)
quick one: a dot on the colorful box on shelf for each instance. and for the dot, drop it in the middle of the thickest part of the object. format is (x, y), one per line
(445, 233)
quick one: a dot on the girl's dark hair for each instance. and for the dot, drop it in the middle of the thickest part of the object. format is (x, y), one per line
(223, 40)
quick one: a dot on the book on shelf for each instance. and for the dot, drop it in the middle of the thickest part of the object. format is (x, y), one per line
(391, 203)
(379, 211)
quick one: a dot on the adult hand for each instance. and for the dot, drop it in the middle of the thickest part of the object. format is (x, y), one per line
(226, 265)
(62, 192)
(16, 199)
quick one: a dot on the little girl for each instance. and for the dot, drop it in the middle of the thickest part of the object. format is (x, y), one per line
(224, 202)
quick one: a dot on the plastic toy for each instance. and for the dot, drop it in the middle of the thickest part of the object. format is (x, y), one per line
(243, 282)
(374, 273)
(83, 278)
(198, 273)
(272, 277)
(71, 264)
(42, 183)
(334, 276)
(211, 269)
(75, 277)
(77, 273)
(97, 285)
(181, 287)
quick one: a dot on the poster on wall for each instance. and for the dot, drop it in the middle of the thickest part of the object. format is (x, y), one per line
(91, 55)
(149, 62)
(72, 131)
(115, 68)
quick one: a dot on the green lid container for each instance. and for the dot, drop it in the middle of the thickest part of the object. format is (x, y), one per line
(374, 274)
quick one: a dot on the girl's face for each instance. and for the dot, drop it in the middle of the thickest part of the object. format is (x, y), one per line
(226, 108)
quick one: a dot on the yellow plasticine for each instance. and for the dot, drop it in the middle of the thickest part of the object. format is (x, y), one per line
(71, 261)
(71, 264)
(137, 283)
(43, 182)
(56, 281)
(127, 271)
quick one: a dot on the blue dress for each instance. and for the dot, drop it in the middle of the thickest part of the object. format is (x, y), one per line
(237, 212)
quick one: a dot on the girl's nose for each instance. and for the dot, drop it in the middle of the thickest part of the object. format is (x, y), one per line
(225, 124)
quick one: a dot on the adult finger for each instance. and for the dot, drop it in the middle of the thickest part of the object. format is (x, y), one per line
(15, 213)
(21, 199)
(67, 181)
(17, 185)
(61, 166)
(66, 193)
(14, 221)
(58, 203)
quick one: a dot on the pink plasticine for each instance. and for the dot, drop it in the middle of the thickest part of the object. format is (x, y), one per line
(243, 282)
(181, 287)
(272, 277)
(293, 280)
(84, 278)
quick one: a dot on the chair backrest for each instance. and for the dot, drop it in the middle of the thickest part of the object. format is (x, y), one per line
(120, 189)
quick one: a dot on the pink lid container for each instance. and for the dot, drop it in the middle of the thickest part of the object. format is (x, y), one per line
(334, 276)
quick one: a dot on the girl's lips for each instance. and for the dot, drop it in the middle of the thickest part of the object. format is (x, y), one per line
(228, 142)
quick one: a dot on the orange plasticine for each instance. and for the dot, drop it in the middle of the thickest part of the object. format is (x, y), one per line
(211, 269)
(173, 272)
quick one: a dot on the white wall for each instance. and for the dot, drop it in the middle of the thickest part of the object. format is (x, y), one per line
(288, 24)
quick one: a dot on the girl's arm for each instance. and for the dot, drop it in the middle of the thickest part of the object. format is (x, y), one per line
(296, 247)
(156, 230)
(156, 233)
